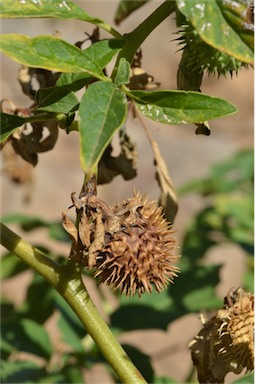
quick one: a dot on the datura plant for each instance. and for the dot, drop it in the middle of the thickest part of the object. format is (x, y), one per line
(129, 245)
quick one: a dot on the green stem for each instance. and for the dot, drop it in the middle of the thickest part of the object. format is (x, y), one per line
(139, 34)
(108, 29)
(68, 282)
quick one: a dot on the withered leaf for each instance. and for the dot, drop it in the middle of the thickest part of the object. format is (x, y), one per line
(168, 197)
(84, 231)
(125, 164)
(69, 227)
(97, 242)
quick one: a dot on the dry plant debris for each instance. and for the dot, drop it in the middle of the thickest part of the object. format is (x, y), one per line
(226, 341)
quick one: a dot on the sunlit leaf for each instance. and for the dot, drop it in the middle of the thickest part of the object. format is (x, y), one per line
(231, 34)
(48, 52)
(102, 111)
(180, 107)
(63, 9)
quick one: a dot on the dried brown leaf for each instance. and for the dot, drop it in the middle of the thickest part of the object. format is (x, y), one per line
(168, 197)
(98, 241)
(84, 231)
(69, 227)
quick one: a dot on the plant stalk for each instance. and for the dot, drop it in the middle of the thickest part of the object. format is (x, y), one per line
(140, 33)
(68, 282)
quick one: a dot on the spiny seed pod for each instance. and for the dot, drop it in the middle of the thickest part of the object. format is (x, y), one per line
(226, 342)
(204, 57)
(236, 331)
(139, 255)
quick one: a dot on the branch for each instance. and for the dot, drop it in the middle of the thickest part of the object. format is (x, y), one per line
(68, 282)
(140, 33)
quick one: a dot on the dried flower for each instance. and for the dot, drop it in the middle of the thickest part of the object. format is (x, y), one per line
(139, 254)
(226, 342)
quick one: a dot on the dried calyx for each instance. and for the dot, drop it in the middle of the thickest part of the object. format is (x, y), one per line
(129, 246)
(226, 342)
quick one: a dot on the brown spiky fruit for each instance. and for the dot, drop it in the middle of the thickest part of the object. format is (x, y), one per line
(226, 342)
(129, 246)
(139, 255)
(236, 338)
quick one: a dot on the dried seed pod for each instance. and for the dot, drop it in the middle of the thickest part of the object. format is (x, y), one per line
(226, 342)
(139, 255)
(236, 331)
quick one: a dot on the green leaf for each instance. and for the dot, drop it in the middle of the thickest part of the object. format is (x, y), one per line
(73, 81)
(180, 107)
(34, 309)
(123, 72)
(27, 336)
(163, 380)
(102, 53)
(102, 111)
(62, 9)
(11, 266)
(56, 99)
(70, 337)
(26, 222)
(69, 325)
(210, 21)
(19, 371)
(194, 290)
(9, 124)
(126, 7)
(48, 52)
(5, 349)
(29, 223)
(139, 316)
(72, 374)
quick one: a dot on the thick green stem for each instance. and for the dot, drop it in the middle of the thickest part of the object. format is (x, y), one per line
(68, 282)
(139, 34)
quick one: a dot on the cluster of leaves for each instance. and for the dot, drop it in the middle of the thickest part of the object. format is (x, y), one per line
(228, 213)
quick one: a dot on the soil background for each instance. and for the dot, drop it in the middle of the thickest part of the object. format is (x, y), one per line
(187, 155)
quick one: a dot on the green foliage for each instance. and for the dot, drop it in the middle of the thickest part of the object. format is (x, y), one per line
(179, 107)
(220, 36)
(102, 111)
(224, 21)
(49, 52)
